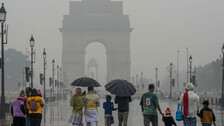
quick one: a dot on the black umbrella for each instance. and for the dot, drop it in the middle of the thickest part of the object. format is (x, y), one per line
(85, 82)
(121, 88)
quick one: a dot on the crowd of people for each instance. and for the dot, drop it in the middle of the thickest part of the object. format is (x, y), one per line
(188, 100)
(149, 104)
(27, 108)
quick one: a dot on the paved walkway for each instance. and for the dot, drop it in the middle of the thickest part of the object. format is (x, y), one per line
(58, 113)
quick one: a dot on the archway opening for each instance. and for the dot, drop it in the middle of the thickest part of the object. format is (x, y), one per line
(96, 63)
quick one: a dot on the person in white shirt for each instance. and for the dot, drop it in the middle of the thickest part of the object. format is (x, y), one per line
(190, 102)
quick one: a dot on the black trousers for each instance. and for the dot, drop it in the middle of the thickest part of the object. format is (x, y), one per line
(18, 121)
(35, 119)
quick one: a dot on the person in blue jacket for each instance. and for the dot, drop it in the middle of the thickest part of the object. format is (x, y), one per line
(108, 107)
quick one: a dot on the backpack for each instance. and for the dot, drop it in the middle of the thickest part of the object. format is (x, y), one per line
(33, 105)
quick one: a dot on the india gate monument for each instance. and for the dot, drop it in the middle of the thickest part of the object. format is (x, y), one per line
(100, 21)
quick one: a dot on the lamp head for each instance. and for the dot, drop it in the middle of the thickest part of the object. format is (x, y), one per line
(2, 13)
(171, 65)
(32, 41)
(44, 54)
(53, 62)
(190, 59)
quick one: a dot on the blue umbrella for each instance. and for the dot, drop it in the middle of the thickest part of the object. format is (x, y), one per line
(121, 88)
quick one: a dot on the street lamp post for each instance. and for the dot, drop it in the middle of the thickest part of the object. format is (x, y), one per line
(57, 82)
(222, 97)
(171, 67)
(187, 64)
(142, 87)
(32, 41)
(190, 60)
(60, 82)
(156, 79)
(2, 20)
(137, 84)
(44, 57)
(178, 70)
(53, 63)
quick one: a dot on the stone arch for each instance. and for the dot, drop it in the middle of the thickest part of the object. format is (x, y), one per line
(96, 61)
(96, 21)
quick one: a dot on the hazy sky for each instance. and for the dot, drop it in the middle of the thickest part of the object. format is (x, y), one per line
(161, 27)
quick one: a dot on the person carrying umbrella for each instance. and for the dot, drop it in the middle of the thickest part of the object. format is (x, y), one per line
(123, 109)
(91, 101)
(123, 91)
(149, 103)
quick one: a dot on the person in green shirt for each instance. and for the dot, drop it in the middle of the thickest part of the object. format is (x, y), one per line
(149, 103)
(77, 104)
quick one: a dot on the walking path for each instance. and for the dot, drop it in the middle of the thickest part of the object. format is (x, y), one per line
(58, 113)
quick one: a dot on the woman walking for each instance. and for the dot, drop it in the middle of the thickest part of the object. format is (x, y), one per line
(77, 112)
(35, 104)
(18, 110)
(91, 101)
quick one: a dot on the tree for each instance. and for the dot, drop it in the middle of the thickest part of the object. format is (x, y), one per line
(14, 67)
(210, 76)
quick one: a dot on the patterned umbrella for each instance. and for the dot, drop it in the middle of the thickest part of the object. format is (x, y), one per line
(121, 88)
(85, 82)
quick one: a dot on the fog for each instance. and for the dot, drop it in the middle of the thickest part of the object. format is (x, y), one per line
(160, 28)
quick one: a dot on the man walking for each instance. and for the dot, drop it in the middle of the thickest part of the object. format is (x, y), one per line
(123, 109)
(149, 103)
(190, 102)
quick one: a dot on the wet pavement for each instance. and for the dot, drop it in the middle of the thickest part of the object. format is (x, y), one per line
(58, 113)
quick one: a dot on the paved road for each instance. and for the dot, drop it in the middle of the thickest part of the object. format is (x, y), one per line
(58, 113)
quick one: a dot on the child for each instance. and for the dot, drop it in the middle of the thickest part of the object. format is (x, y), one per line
(168, 119)
(206, 114)
(109, 107)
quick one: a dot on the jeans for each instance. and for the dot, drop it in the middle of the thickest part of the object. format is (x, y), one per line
(123, 118)
(150, 118)
(204, 124)
(28, 121)
(190, 121)
(35, 119)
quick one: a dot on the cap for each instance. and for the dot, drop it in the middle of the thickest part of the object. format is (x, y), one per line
(189, 87)
(151, 86)
(168, 111)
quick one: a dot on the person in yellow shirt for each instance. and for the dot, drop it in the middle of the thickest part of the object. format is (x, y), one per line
(91, 101)
(34, 105)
